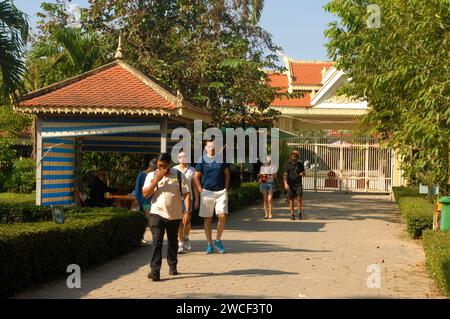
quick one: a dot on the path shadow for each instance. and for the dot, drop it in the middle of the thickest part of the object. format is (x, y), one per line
(247, 246)
(327, 207)
(136, 259)
(240, 272)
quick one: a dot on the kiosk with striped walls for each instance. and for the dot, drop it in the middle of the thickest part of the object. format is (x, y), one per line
(113, 108)
(63, 140)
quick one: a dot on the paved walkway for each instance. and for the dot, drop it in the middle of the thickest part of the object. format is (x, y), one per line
(324, 256)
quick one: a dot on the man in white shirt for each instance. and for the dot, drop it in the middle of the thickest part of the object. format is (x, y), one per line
(167, 187)
(188, 171)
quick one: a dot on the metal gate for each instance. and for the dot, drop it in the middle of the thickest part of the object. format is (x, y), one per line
(343, 162)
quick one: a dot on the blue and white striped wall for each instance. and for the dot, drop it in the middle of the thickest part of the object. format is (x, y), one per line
(58, 165)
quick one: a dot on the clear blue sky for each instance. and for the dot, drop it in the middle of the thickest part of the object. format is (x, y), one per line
(296, 25)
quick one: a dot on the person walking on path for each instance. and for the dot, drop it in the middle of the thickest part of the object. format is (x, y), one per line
(267, 177)
(212, 179)
(292, 178)
(167, 186)
(188, 171)
(142, 202)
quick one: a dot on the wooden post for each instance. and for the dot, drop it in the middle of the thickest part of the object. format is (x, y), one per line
(39, 145)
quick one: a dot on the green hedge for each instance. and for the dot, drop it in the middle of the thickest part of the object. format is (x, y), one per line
(19, 213)
(23, 213)
(32, 253)
(416, 210)
(12, 198)
(243, 196)
(437, 250)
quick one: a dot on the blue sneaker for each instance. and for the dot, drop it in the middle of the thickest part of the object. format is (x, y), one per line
(210, 249)
(219, 246)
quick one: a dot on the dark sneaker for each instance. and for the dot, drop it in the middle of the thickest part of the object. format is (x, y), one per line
(292, 217)
(153, 276)
(173, 272)
(219, 246)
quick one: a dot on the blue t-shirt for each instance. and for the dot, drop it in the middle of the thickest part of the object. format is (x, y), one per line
(213, 177)
(140, 180)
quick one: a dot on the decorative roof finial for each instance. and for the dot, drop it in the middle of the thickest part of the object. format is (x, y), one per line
(119, 54)
(180, 98)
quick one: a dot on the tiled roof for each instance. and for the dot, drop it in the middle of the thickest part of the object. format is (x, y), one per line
(281, 81)
(115, 86)
(308, 72)
(304, 101)
(278, 80)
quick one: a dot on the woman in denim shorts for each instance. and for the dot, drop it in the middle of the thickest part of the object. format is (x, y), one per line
(267, 176)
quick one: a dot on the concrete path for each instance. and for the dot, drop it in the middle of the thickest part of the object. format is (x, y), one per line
(324, 256)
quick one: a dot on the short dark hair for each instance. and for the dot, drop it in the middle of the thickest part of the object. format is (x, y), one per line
(152, 164)
(164, 157)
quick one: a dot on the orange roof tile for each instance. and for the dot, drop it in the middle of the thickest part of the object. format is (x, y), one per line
(112, 87)
(281, 81)
(308, 72)
(278, 80)
(115, 86)
(283, 101)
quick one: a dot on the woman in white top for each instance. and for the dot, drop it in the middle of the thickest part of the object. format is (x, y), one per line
(267, 177)
(188, 171)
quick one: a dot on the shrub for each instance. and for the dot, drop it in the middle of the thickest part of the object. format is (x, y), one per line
(437, 251)
(23, 177)
(22, 213)
(243, 196)
(7, 157)
(19, 213)
(11, 198)
(416, 210)
(32, 253)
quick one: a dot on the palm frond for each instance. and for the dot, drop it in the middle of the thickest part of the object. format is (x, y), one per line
(14, 31)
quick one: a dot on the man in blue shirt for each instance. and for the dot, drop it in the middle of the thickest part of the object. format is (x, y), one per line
(144, 203)
(212, 179)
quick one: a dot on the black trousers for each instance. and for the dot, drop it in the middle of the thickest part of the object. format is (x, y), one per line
(159, 226)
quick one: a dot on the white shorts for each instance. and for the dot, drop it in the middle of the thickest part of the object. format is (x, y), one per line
(213, 200)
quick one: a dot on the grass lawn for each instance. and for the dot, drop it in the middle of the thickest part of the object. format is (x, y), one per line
(12, 198)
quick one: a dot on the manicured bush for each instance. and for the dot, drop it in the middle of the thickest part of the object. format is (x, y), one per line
(437, 251)
(19, 213)
(416, 210)
(32, 253)
(243, 196)
(11, 198)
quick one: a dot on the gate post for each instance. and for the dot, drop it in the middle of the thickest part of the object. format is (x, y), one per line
(316, 159)
(366, 167)
(341, 161)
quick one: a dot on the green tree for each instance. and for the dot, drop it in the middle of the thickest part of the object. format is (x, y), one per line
(402, 69)
(59, 51)
(204, 48)
(13, 38)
